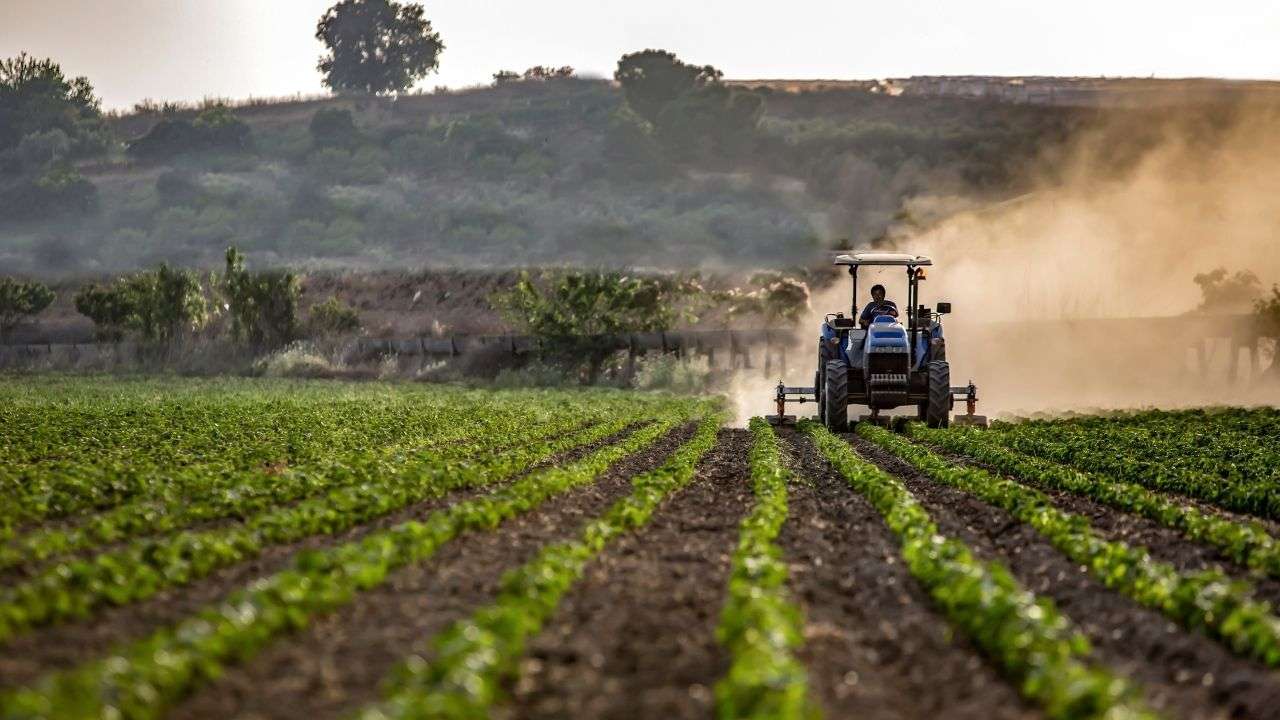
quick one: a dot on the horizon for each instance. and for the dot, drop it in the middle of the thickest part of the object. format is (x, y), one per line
(242, 49)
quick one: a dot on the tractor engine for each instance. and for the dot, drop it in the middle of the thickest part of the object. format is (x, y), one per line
(887, 363)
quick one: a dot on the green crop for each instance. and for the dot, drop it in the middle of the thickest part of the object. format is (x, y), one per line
(1224, 458)
(759, 625)
(1205, 600)
(142, 679)
(1246, 543)
(474, 655)
(1023, 634)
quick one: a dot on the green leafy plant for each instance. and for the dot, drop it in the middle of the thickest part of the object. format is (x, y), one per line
(21, 300)
(1205, 600)
(1023, 634)
(475, 655)
(759, 625)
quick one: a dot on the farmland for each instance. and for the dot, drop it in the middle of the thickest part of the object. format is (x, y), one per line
(262, 548)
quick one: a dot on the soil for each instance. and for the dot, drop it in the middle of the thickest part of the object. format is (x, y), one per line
(337, 663)
(65, 645)
(1183, 674)
(636, 636)
(874, 646)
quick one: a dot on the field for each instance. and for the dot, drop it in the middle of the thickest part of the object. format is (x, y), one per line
(269, 549)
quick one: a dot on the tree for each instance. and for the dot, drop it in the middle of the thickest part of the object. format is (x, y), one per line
(263, 305)
(376, 46)
(19, 301)
(35, 97)
(159, 304)
(1228, 293)
(566, 309)
(652, 79)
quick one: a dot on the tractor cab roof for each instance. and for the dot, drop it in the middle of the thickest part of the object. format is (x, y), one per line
(882, 258)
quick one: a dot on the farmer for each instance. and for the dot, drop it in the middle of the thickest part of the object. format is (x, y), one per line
(877, 306)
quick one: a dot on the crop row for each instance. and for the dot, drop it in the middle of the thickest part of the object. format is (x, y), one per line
(759, 625)
(1258, 422)
(142, 679)
(75, 480)
(243, 495)
(1246, 543)
(1234, 472)
(1205, 600)
(144, 567)
(1023, 634)
(474, 655)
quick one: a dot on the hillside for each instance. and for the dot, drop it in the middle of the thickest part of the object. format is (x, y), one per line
(534, 172)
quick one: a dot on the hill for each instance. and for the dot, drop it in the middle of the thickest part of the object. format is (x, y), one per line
(528, 172)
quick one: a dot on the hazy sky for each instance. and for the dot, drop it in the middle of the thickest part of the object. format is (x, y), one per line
(188, 49)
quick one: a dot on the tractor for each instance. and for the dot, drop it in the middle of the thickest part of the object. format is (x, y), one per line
(885, 364)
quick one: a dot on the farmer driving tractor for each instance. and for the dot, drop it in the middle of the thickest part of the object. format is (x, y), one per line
(878, 306)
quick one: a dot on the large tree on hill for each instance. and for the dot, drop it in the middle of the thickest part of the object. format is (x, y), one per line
(35, 97)
(377, 46)
(653, 79)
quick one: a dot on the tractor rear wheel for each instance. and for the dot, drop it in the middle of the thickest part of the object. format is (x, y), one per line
(824, 356)
(835, 396)
(938, 412)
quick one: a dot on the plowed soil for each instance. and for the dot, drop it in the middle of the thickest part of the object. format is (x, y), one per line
(636, 637)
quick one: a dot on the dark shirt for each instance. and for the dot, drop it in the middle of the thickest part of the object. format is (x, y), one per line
(873, 309)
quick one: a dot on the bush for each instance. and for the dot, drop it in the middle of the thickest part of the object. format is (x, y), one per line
(160, 305)
(263, 305)
(333, 317)
(61, 191)
(39, 150)
(21, 300)
(334, 127)
(668, 372)
(216, 129)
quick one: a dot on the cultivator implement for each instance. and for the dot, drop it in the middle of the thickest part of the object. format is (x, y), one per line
(800, 394)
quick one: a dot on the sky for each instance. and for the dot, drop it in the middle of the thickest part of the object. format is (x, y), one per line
(191, 49)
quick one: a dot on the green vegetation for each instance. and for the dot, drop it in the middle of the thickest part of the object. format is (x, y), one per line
(1206, 600)
(474, 655)
(161, 305)
(333, 317)
(143, 678)
(20, 301)
(1246, 543)
(1227, 459)
(263, 306)
(759, 624)
(1023, 634)
(376, 46)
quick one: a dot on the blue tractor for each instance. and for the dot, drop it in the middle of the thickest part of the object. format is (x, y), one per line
(882, 363)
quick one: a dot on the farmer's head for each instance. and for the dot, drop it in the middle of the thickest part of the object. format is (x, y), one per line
(877, 293)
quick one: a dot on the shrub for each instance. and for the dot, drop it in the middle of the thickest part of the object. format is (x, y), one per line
(333, 317)
(215, 129)
(263, 305)
(20, 300)
(160, 305)
(334, 127)
(61, 191)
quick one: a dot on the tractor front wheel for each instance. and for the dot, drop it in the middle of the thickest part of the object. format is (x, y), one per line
(835, 396)
(938, 411)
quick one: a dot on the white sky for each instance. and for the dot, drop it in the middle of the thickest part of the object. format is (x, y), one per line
(189, 49)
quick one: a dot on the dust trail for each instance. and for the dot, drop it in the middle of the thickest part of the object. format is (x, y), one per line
(1117, 225)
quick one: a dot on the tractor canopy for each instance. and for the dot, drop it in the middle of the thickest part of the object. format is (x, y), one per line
(882, 258)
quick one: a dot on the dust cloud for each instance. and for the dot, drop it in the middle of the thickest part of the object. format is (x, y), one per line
(1057, 294)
